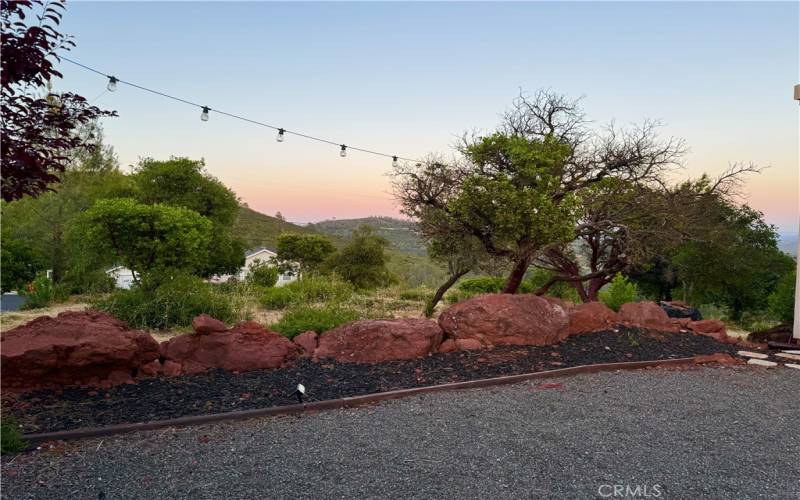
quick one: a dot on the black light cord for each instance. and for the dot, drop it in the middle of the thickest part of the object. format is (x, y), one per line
(281, 130)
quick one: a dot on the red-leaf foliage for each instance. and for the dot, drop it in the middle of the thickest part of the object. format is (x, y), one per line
(39, 128)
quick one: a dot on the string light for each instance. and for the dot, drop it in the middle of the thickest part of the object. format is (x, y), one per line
(395, 163)
(204, 115)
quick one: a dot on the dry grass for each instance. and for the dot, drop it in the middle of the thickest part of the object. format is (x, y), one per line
(13, 319)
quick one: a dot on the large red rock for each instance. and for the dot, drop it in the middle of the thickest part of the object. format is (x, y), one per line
(204, 324)
(591, 317)
(307, 341)
(646, 314)
(76, 347)
(246, 346)
(374, 341)
(713, 328)
(505, 319)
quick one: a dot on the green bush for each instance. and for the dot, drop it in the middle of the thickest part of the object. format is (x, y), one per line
(308, 289)
(168, 302)
(319, 319)
(10, 437)
(79, 281)
(619, 292)
(263, 275)
(41, 292)
(781, 301)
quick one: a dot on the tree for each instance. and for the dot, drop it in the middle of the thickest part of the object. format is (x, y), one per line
(39, 128)
(516, 191)
(42, 222)
(363, 260)
(781, 301)
(146, 238)
(304, 251)
(738, 265)
(20, 263)
(183, 182)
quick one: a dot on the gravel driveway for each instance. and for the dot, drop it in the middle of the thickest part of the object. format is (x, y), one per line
(701, 433)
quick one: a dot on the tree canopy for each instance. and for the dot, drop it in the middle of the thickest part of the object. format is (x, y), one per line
(146, 238)
(308, 251)
(39, 133)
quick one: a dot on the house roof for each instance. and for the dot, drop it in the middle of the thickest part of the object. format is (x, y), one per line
(258, 250)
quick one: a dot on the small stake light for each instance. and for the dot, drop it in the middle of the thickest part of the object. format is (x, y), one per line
(112, 83)
(300, 392)
(204, 114)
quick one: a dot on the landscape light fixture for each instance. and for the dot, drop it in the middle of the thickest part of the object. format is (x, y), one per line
(300, 392)
(112, 83)
(279, 138)
(395, 163)
(204, 114)
(343, 151)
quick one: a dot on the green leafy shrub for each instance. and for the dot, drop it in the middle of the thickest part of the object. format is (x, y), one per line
(363, 261)
(168, 302)
(308, 289)
(10, 437)
(41, 292)
(319, 319)
(82, 281)
(263, 275)
(781, 301)
(619, 292)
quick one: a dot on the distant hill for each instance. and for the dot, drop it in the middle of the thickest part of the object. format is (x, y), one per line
(407, 258)
(401, 234)
(260, 230)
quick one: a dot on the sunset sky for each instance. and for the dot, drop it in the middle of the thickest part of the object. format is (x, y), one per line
(406, 79)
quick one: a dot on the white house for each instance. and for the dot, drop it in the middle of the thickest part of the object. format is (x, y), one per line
(259, 256)
(123, 277)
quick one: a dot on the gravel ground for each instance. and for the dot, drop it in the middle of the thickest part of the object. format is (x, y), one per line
(702, 433)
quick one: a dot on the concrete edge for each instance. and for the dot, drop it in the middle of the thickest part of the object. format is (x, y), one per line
(353, 401)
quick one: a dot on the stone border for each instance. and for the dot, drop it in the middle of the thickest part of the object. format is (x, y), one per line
(354, 401)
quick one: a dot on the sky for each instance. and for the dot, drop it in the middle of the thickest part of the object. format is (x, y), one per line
(408, 78)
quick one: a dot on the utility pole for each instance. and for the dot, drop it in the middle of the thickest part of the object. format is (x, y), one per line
(796, 328)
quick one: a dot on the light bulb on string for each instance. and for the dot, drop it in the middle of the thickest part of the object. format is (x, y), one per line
(395, 163)
(279, 138)
(204, 114)
(343, 151)
(112, 84)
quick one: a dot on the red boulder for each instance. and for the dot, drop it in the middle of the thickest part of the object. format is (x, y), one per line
(74, 348)
(505, 319)
(246, 346)
(591, 317)
(713, 328)
(374, 341)
(646, 315)
(205, 324)
(307, 341)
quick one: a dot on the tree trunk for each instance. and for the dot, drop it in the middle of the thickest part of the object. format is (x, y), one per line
(515, 278)
(431, 305)
(595, 284)
(581, 291)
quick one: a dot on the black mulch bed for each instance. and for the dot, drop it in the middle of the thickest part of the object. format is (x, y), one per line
(220, 391)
